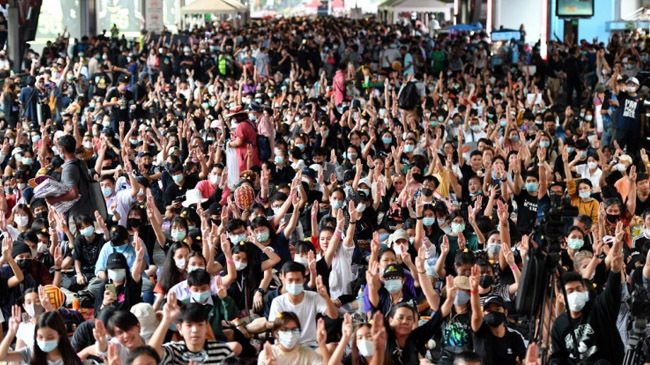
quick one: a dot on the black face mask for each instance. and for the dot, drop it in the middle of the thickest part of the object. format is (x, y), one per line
(427, 192)
(133, 222)
(148, 166)
(418, 177)
(42, 215)
(486, 281)
(494, 319)
(613, 218)
(24, 264)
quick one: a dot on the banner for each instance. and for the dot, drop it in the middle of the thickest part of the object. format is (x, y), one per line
(575, 8)
(126, 15)
(153, 15)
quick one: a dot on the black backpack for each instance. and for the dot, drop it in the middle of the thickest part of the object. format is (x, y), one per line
(263, 144)
(408, 98)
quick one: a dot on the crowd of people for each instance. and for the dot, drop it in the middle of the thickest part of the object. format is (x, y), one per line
(323, 191)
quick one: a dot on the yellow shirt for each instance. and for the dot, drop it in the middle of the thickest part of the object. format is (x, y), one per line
(589, 208)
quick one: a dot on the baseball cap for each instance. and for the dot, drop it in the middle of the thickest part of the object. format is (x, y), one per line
(393, 270)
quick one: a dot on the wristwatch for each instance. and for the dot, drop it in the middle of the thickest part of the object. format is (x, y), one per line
(260, 290)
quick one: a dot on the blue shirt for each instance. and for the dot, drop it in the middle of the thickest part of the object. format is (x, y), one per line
(408, 59)
(127, 250)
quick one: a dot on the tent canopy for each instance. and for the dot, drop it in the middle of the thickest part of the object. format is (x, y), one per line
(420, 6)
(241, 8)
(387, 5)
(209, 7)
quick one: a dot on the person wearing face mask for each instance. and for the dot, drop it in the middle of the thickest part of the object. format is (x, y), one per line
(492, 340)
(125, 286)
(631, 113)
(244, 135)
(459, 239)
(363, 346)
(119, 100)
(22, 217)
(593, 320)
(384, 297)
(212, 187)
(220, 307)
(580, 196)
(250, 266)
(173, 271)
(286, 327)
(35, 272)
(51, 339)
(305, 304)
(615, 212)
(87, 247)
(31, 303)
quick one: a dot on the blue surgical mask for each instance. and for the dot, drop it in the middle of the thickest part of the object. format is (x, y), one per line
(544, 144)
(88, 231)
(457, 227)
(295, 289)
(428, 221)
(201, 297)
(336, 204)
(531, 187)
(393, 286)
(107, 192)
(47, 346)
(409, 148)
(36, 138)
(387, 140)
(570, 149)
(236, 238)
(178, 235)
(585, 194)
(383, 237)
(262, 237)
(462, 297)
(177, 178)
(300, 146)
(278, 159)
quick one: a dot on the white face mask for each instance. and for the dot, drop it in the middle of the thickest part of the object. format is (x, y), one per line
(34, 310)
(592, 165)
(88, 145)
(577, 300)
(288, 339)
(41, 248)
(180, 263)
(215, 179)
(21, 220)
(360, 208)
(366, 347)
(398, 250)
(117, 275)
(240, 265)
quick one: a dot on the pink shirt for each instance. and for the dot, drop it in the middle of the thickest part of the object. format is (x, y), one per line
(339, 87)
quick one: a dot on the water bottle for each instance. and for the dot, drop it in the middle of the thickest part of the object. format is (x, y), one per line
(360, 301)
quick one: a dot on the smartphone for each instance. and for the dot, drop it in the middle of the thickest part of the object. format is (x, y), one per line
(111, 288)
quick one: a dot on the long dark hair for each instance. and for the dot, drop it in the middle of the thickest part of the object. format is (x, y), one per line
(253, 263)
(169, 274)
(54, 321)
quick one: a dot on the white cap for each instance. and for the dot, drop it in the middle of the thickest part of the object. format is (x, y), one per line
(633, 80)
(193, 196)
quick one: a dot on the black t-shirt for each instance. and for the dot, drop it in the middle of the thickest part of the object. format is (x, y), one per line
(509, 349)
(101, 81)
(526, 211)
(456, 336)
(128, 295)
(87, 252)
(641, 206)
(414, 343)
(120, 112)
(173, 191)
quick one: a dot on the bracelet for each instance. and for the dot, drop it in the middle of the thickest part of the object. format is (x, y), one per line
(353, 222)
(59, 269)
(337, 234)
(541, 164)
(422, 272)
(314, 217)
(419, 218)
(312, 271)
(472, 292)
(230, 261)
(513, 267)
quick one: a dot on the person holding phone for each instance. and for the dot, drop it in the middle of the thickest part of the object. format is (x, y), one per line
(124, 288)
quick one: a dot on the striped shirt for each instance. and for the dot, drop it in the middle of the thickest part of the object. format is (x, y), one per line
(177, 353)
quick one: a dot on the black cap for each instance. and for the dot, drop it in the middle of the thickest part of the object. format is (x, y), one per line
(19, 248)
(255, 106)
(359, 196)
(582, 144)
(144, 153)
(124, 79)
(393, 270)
(494, 300)
(308, 171)
(116, 261)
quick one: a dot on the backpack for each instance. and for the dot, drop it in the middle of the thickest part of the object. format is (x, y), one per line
(408, 97)
(263, 144)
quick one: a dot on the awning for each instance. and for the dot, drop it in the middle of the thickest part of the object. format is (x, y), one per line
(209, 7)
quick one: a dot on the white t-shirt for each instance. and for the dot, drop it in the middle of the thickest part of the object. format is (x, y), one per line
(583, 171)
(305, 312)
(26, 333)
(341, 271)
(299, 356)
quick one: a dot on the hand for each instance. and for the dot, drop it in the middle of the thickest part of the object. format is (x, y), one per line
(221, 289)
(81, 279)
(378, 330)
(320, 288)
(321, 332)
(502, 212)
(354, 215)
(226, 246)
(269, 358)
(532, 355)
(347, 329)
(114, 355)
(475, 278)
(419, 206)
(311, 261)
(372, 276)
(45, 299)
(462, 242)
(99, 219)
(7, 247)
(444, 246)
(541, 154)
(419, 259)
(452, 290)
(510, 257)
(632, 175)
(139, 247)
(171, 308)
(15, 319)
(99, 332)
(258, 302)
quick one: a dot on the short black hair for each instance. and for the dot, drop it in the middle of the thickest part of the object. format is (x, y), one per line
(68, 143)
(142, 350)
(198, 277)
(466, 357)
(193, 312)
(572, 276)
(293, 266)
(123, 320)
